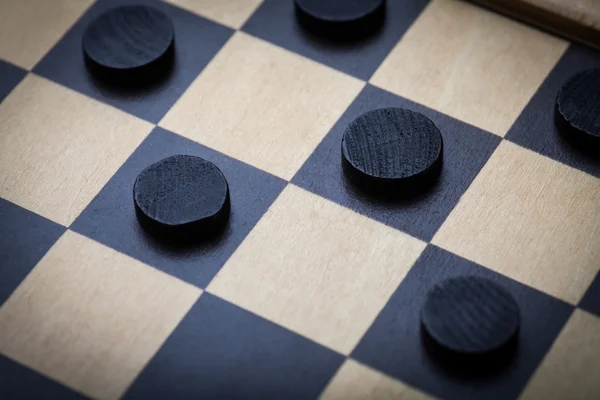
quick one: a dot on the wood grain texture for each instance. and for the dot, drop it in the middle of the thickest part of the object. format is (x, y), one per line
(394, 343)
(355, 381)
(110, 217)
(339, 10)
(578, 106)
(317, 268)
(470, 64)
(467, 149)
(232, 13)
(182, 198)
(29, 28)
(91, 317)
(58, 147)
(470, 315)
(532, 219)
(591, 301)
(271, 113)
(570, 369)
(130, 43)
(26, 238)
(578, 20)
(341, 19)
(391, 150)
(274, 21)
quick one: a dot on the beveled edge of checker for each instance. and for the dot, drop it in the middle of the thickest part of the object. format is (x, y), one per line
(189, 232)
(447, 349)
(392, 188)
(360, 26)
(136, 74)
(566, 128)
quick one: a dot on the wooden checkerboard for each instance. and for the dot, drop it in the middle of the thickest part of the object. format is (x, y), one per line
(314, 291)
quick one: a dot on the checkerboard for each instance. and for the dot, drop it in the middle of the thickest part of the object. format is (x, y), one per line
(314, 290)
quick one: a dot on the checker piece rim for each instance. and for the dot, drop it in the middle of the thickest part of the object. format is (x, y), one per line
(96, 38)
(443, 317)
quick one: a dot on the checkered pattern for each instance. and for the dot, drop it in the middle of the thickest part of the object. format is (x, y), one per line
(313, 290)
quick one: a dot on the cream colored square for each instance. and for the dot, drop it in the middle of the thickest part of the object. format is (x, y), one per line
(58, 148)
(262, 104)
(532, 219)
(30, 28)
(570, 369)
(317, 268)
(355, 381)
(90, 317)
(232, 13)
(469, 63)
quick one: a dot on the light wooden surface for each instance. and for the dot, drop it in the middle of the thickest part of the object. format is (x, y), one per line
(232, 13)
(462, 73)
(29, 28)
(570, 369)
(271, 114)
(532, 219)
(574, 19)
(60, 147)
(355, 381)
(317, 268)
(91, 317)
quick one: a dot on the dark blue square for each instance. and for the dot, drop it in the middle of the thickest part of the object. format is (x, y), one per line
(26, 237)
(110, 217)
(591, 300)
(197, 40)
(275, 21)
(535, 128)
(466, 150)
(10, 76)
(393, 343)
(19, 382)
(220, 351)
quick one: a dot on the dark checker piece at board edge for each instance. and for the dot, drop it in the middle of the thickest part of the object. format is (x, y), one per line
(129, 44)
(392, 152)
(578, 108)
(340, 19)
(182, 198)
(470, 318)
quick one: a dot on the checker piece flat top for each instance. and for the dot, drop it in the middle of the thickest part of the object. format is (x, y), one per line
(578, 106)
(128, 38)
(391, 151)
(470, 315)
(183, 197)
(340, 18)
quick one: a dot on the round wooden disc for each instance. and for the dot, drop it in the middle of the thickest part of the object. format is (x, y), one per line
(578, 106)
(129, 40)
(182, 195)
(340, 18)
(391, 151)
(470, 315)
